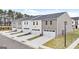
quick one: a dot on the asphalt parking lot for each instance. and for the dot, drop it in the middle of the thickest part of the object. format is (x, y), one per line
(7, 43)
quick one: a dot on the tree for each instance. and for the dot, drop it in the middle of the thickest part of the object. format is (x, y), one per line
(5, 15)
(1, 12)
(10, 13)
(25, 15)
(19, 15)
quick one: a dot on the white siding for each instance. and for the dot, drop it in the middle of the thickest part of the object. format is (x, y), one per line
(26, 26)
(37, 27)
(78, 23)
(73, 23)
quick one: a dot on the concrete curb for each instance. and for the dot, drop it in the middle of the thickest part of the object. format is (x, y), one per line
(45, 47)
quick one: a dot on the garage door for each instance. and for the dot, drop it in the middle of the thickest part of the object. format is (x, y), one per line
(18, 30)
(13, 29)
(48, 33)
(36, 31)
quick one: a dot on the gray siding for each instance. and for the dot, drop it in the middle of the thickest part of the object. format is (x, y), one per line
(60, 23)
(19, 25)
(14, 24)
(50, 27)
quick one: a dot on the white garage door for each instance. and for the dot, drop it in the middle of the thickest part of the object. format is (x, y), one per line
(48, 33)
(13, 29)
(18, 30)
(36, 31)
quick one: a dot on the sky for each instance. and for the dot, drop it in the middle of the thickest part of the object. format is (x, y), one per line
(71, 12)
(41, 7)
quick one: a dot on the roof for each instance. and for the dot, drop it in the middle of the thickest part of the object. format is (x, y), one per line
(31, 17)
(75, 18)
(48, 16)
(53, 16)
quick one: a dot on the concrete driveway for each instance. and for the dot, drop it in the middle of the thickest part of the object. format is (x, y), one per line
(24, 38)
(43, 39)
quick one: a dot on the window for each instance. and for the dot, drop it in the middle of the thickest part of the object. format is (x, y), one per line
(19, 23)
(13, 23)
(24, 23)
(19, 28)
(53, 30)
(72, 22)
(33, 23)
(26, 28)
(36, 29)
(50, 22)
(36, 23)
(46, 22)
(72, 25)
(27, 23)
(49, 30)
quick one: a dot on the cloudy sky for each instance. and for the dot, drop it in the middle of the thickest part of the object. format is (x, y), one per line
(71, 12)
(39, 7)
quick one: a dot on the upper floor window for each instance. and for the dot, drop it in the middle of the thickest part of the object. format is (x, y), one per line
(19, 23)
(50, 22)
(36, 23)
(46, 22)
(33, 23)
(27, 23)
(13, 23)
(24, 23)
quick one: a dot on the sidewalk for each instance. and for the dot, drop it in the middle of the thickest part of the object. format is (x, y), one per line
(74, 44)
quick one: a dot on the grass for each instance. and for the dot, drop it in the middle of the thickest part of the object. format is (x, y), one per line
(23, 35)
(15, 33)
(34, 37)
(77, 47)
(58, 42)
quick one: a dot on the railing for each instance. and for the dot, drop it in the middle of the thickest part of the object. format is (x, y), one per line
(2, 28)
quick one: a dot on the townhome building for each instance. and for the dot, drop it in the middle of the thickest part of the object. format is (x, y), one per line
(52, 23)
(17, 24)
(75, 22)
(42, 24)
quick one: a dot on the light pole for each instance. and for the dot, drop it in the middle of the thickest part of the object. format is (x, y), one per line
(42, 28)
(65, 23)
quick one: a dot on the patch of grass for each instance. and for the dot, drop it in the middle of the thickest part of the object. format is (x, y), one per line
(58, 42)
(77, 47)
(23, 35)
(16, 33)
(34, 37)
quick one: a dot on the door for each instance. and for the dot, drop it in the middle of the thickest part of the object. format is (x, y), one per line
(76, 27)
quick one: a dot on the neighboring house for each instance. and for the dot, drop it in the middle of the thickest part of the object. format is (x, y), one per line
(5, 20)
(17, 24)
(29, 25)
(14, 25)
(26, 26)
(75, 22)
(1, 22)
(52, 23)
(8, 21)
(36, 26)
